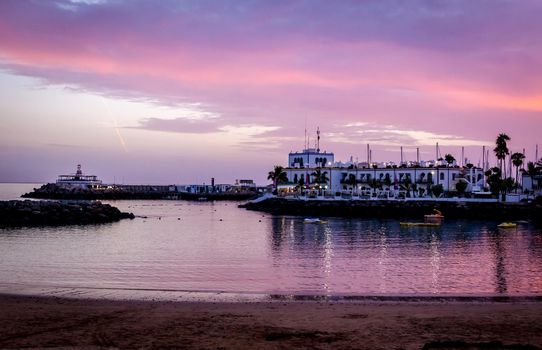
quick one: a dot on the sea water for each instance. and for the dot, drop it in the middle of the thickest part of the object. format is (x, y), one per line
(217, 247)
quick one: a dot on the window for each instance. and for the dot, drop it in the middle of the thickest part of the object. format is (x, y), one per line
(442, 176)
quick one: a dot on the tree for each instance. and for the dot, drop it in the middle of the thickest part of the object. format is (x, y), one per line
(351, 180)
(501, 150)
(375, 184)
(461, 187)
(407, 185)
(494, 180)
(277, 175)
(449, 159)
(320, 177)
(534, 169)
(387, 180)
(517, 160)
(437, 190)
(507, 184)
(301, 182)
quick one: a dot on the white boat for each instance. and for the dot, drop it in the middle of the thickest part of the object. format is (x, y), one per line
(313, 221)
(79, 180)
(437, 215)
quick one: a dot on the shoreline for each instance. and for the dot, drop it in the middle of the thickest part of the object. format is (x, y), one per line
(212, 296)
(36, 322)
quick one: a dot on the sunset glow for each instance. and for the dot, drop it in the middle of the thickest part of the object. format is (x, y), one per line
(179, 92)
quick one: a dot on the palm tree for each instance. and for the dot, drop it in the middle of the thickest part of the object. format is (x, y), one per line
(501, 149)
(320, 177)
(351, 180)
(534, 169)
(406, 184)
(517, 160)
(450, 160)
(277, 175)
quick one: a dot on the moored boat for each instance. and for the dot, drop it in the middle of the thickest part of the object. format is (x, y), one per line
(436, 215)
(419, 224)
(313, 221)
(507, 225)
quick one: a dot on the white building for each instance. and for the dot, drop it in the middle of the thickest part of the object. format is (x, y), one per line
(531, 184)
(383, 180)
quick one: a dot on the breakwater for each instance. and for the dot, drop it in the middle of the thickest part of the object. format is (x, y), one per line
(37, 213)
(218, 196)
(54, 191)
(399, 209)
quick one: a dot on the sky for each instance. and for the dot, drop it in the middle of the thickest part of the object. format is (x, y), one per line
(178, 92)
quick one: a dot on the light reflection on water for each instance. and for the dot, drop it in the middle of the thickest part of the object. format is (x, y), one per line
(219, 247)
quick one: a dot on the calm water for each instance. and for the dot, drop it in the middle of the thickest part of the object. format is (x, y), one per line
(203, 246)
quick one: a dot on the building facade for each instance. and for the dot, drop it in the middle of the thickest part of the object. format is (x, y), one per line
(312, 171)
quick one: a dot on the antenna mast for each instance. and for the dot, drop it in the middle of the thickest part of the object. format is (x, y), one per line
(484, 158)
(318, 139)
(305, 142)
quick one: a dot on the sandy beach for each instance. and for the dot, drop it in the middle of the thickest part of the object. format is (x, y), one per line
(39, 322)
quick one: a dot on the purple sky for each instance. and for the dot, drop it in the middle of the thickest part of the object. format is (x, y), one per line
(178, 92)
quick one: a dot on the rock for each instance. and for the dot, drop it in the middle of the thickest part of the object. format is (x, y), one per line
(32, 213)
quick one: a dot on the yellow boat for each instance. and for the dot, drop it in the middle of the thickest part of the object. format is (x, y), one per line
(507, 225)
(420, 224)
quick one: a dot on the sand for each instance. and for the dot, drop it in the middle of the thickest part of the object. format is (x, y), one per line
(38, 322)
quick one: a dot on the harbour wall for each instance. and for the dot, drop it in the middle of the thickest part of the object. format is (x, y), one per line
(55, 191)
(399, 209)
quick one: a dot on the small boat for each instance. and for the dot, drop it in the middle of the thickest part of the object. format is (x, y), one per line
(437, 215)
(313, 221)
(420, 224)
(507, 225)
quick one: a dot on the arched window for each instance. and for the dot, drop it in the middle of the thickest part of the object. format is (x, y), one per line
(295, 178)
(442, 176)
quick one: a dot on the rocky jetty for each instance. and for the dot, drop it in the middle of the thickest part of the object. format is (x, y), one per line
(54, 191)
(399, 209)
(37, 213)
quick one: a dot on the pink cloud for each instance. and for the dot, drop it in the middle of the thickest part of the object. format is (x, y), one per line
(463, 68)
